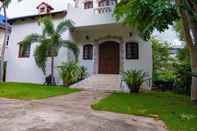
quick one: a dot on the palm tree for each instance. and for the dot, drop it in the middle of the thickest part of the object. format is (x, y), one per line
(50, 42)
(5, 4)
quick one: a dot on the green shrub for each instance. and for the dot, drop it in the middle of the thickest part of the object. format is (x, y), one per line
(72, 72)
(134, 79)
(183, 71)
(165, 76)
(83, 73)
(183, 78)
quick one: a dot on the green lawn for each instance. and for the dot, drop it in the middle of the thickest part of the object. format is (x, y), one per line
(175, 110)
(32, 91)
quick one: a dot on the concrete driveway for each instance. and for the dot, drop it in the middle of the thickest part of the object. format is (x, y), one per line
(69, 113)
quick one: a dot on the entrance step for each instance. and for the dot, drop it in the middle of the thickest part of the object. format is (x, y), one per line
(100, 82)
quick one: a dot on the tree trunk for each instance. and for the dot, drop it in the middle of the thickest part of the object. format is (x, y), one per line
(52, 71)
(190, 30)
(193, 32)
(194, 79)
(4, 45)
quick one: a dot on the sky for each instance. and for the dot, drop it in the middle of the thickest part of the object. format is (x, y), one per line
(28, 7)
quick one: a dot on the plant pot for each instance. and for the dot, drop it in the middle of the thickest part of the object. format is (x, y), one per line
(134, 89)
(66, 83)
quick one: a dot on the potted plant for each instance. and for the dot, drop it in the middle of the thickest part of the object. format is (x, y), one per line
(69, 72)
(134, 79)
(72, 72)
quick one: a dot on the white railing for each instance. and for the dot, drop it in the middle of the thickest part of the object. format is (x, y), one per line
(103, 10)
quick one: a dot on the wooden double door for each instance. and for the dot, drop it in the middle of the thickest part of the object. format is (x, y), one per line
(109, 58)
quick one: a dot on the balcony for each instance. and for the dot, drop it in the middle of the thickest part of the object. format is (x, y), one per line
(104, 10)
(90, 17)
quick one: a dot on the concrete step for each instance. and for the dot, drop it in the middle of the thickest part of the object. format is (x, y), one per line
(100, 82)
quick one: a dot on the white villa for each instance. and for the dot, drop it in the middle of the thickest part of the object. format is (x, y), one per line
(106, 47)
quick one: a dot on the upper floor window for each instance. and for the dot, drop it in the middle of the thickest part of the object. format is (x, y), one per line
(87, 52)
(103, 3)
(88, 5)
(42, 9)
(24, 52)
(132, 50)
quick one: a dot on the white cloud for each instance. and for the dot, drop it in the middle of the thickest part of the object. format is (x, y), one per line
(169, 36)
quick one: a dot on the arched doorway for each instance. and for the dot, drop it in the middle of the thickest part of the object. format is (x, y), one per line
(109, 58)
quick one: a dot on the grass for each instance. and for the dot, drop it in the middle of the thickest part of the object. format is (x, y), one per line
(32, 91)
(175, 110)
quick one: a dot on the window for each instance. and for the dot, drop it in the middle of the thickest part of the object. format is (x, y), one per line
(103, 3)
(88, 5)
(132, 50)
(24, 52)
(7, 41)
(4, 71)
(87, 52)
(42, 9)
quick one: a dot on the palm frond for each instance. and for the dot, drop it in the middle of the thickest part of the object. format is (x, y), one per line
(31, 39)
(64, 25)
(48, 26)
(6, 3)
(72, 46)
(55, 38)
(40, 55)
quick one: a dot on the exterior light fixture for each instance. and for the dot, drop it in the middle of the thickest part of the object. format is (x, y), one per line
(87, 37)
(130, 34)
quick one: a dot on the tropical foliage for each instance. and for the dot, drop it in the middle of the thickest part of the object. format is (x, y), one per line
(134, 79)
(147, 15)
(162, 61)
(72, 72)
(50, 42)
(150, 15)
(183, 71)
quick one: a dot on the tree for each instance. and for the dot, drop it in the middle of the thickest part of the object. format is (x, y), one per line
(161, 54)
(148, 15)
(183, 71)
(5, 4)
(162, 61)
(50, 42)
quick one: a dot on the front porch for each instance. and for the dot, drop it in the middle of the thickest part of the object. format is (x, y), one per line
(111, 49)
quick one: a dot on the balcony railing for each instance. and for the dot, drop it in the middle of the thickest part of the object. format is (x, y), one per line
(103, 10)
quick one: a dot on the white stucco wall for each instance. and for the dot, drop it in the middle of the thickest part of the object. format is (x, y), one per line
(25, 69)
(88, 17)
(99, 28)
(2, 33)
(1, 39)
(144, 62)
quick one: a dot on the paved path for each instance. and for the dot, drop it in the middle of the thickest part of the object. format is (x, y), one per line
(69, 113)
